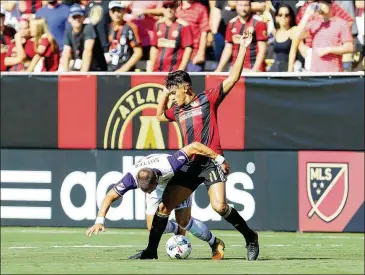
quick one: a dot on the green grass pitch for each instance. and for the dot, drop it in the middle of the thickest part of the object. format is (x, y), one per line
(68, 250)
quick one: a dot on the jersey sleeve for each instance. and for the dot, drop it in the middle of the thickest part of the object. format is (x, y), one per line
(133, 36)
(216, 95)
(43, 45)
(89, 32)
(345, 33)
(125, 184)
(261, 31)
(228, 37)
(178, 160)
(204, 20)
(170, 114)
(187, 37)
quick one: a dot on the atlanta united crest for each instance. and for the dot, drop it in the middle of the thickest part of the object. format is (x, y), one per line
(327, 189)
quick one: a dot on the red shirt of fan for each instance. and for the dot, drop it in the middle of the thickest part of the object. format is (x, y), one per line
(32, 6)
(323, 34)
(235, 28)
(51, 56)
(197, 17)
(171, 42)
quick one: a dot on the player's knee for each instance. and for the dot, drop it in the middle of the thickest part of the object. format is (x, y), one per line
(164, 209)
(183, 221)
(220, 207)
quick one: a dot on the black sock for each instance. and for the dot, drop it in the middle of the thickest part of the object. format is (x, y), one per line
(239, 223)
(158, 227)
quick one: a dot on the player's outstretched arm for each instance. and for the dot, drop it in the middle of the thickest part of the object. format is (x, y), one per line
(104, 207)
(237, 68)
(162, 106)
(197, 148)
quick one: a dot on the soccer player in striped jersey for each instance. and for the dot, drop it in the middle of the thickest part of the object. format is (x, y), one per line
(151, 174)
(196, 116)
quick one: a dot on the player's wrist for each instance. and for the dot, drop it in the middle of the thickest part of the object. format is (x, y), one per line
(100, 220)
(220, 159)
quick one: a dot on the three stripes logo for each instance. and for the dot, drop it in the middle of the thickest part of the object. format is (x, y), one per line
(20, 196)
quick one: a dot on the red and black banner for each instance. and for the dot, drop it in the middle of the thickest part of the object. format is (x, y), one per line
(118, 112)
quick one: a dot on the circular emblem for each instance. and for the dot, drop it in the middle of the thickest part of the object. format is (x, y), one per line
(175, 33)
(96, 13)
(132, 122)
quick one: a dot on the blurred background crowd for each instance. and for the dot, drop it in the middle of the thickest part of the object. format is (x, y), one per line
(122, 36)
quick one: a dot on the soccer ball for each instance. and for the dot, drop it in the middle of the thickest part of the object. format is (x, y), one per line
(178, 247)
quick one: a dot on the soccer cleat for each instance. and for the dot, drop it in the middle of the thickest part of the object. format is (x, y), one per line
(253, 248)
(148, 255)
(136, 256)
(218, 249)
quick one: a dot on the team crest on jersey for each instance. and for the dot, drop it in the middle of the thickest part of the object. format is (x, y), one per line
(175, 33)
(134, 117)
(327, 189)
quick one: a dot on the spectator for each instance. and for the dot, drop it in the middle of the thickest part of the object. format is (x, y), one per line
(254, 60)
(56, 15)
(12, 13)
(13, 61)
(81, 45)
(97, 12)
(220, 16)
(125, 46)
(172, 42)
(29, 7)
(196, 15)
(283, 34)
(360, 39)
(145, 15)
(44, 52)
(6, 33)
(331, 37)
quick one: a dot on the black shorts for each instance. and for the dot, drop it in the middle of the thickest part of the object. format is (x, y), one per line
(201, 170)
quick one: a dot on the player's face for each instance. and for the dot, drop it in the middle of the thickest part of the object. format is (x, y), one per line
(283, 17)
(23, 29)
(77, 21)
(178, 94)
(117, 14)
(169, 12)
(243, 8)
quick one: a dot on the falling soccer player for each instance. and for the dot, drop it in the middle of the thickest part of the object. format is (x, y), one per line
(151, 174)
(196, 116)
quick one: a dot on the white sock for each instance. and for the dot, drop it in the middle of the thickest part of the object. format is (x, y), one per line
(200, 230)
(171, 227)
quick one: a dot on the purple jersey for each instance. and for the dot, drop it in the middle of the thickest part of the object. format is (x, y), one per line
(166, 164)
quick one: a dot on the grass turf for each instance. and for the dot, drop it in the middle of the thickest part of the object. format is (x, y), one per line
(68, 250)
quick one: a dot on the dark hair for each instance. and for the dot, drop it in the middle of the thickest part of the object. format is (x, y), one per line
(177, 78)
(145, 177)
(291, 14)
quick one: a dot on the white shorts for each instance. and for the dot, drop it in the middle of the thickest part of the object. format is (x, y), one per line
(154, 199)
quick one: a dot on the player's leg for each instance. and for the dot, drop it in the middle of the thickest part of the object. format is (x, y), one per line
(173, 195)
(198, 229)
(217, 194)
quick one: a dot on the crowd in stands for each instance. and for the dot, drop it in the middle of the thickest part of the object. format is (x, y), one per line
(197, 36)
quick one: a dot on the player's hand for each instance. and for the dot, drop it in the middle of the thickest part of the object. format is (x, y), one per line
(246, 38)
(225, 167)
(199, 59)
(95, 229)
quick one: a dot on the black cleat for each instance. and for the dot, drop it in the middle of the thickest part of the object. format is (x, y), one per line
(136, 256)
(218, 249)
(253, 248)
(147, 255)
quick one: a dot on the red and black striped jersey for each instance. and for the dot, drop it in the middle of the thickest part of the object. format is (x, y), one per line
(171, 42)
(198, 120)
(234, 32)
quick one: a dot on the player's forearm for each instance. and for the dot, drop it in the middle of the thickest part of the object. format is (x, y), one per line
(86, 60)
(19, 49)
(215, 19)
(347, 47)
(153, 58)
(33, 63)
(260, 58)
(186, 58)
(136, 56)
(107, 202)
(226, 55)
(238, 65)
(162, 107)
(203, 44)
(197, 148)
(293, 54)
